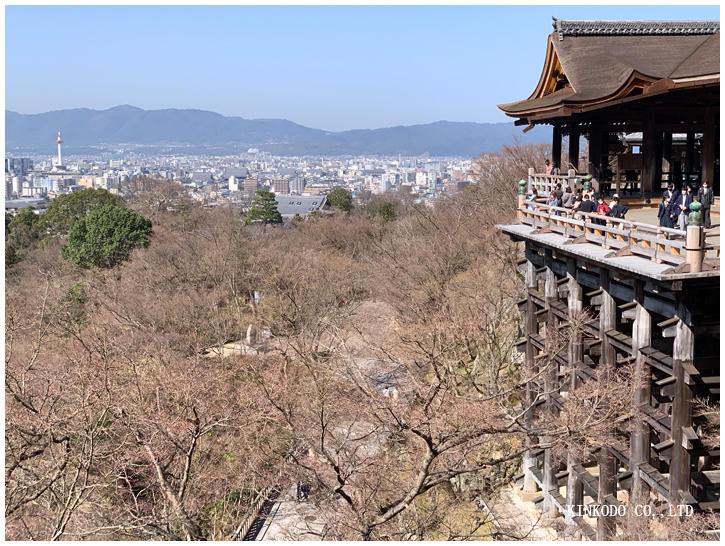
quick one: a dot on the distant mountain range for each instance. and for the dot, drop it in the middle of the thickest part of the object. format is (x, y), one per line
(88, 131)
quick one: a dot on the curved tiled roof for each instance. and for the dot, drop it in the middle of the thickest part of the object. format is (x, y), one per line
(632, 28)
(603, 61)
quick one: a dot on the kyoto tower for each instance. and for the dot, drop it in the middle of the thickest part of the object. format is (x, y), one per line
(59, 165)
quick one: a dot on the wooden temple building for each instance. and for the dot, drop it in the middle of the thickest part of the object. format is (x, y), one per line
(651, 294)
(606, 79)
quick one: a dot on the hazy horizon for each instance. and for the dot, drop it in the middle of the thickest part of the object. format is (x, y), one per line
(330, 67)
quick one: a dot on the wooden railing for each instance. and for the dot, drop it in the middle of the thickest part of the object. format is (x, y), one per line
(544, 184)
(264, 495)
(623, 237)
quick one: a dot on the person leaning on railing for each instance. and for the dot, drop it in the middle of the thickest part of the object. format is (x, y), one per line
(617, 210)
(587, 204)
(602, 209)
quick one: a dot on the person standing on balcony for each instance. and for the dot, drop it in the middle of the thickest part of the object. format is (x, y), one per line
(617, 210)
(669, 193)
(705, 196)
(681, 207)
(666, 214)
(549, 166)
(587, 205)
(567, 200)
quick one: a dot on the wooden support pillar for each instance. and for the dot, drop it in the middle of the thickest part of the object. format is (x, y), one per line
(689, 156)
(648, 181)
(595, 150)
(551, 293)
(657, 183)
(575, 301)
(683, 355)
(607, 360)
(667, 153)
(708, 146)
(604, 155)
(531, 327)
(574, 147)
(640, 436)
(556, 147)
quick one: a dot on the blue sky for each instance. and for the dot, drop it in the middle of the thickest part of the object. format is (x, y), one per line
(327, 67)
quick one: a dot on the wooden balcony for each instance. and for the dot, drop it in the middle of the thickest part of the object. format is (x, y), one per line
(645, 249)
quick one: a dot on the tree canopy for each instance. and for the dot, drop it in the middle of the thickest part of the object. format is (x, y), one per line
(106, 237)
(67, 209)
(264, 209)
(340, 198)
(22, 233)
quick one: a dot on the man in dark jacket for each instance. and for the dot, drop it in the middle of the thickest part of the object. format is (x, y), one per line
(587, 205)
(618, 211)
(681, 206)
(705, 196)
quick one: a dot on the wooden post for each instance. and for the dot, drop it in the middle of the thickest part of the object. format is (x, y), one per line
(574, 147)
(607, 360)
(689, 155)
(556, 146)
(708, 146)
(683, 355)
(532, 172)
(667, 153)
(694, 247)
(522, 200)
(550, 383)
(640, 437)
(649, 156)
(595, 150)
(574, 487)
(531, 327)
(604, 155)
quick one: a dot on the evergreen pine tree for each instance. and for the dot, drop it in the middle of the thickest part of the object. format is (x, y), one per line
(263, 210)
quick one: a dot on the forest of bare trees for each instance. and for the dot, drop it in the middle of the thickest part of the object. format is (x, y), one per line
(382, 373)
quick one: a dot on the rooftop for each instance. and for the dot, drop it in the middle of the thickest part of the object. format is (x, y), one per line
(590, 64)
(633, 28)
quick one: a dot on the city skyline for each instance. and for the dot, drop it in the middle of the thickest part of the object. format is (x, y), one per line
(333, 68)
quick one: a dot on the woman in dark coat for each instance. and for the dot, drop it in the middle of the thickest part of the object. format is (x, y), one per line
(666, 213)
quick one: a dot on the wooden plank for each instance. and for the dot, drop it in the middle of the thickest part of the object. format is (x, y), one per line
(619, 340)
(660, 424)
(658, 359)
(654, 479)
(590, 483)
(706, 477)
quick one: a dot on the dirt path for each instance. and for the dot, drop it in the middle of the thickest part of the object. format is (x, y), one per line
(519, 519)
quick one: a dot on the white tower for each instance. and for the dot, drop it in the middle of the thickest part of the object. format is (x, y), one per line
(59, 141)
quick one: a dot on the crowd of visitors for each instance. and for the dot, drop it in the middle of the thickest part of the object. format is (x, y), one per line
(675, 206)
(673, 210)
(591, 203)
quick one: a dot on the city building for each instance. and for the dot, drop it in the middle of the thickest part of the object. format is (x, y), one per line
(280, 185)
(291, 205)
(18, 165)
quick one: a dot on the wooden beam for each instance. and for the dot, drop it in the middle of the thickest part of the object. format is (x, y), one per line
(683, 354)
(708, 146)
(556, 146)
(531, 329)
(574, 146)
(640, 436)
(649, 156)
